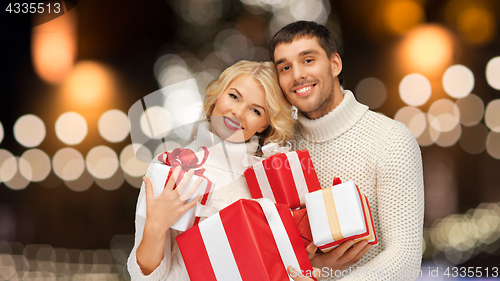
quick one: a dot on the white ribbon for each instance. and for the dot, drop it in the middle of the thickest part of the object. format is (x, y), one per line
(221, 255)
(268, 150)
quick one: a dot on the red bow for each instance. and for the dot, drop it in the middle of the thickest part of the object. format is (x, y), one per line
(185, 158)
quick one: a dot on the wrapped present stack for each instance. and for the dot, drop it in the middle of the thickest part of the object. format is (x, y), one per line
(286, 178)
(248, 240)
(161, 173)
(340, 213)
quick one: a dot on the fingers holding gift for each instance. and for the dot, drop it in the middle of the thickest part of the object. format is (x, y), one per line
(354, 254)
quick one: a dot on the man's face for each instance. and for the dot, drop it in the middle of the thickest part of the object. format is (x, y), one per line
(306, 75)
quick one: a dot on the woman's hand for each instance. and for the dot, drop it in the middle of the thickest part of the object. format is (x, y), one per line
(298, 276)
(161, 213)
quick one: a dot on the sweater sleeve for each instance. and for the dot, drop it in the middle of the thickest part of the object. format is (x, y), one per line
(400, 195)
(171, 267)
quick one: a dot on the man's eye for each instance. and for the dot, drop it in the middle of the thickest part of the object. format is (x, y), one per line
(285, 68)
(308, 60)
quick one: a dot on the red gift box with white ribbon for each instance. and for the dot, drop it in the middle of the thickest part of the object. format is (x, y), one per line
(284, 178)
(248, 240)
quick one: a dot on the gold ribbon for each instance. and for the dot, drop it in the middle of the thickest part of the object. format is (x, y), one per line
(331, 212)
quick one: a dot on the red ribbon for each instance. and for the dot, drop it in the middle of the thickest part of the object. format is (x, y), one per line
(187, 159)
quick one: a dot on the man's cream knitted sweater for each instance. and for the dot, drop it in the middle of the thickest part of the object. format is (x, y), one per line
(225, 169)
(383, 158)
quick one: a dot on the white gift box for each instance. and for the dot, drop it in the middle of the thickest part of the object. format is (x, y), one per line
(337, 214)
(158, 177)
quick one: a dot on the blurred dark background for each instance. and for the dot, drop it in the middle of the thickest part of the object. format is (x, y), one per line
(68, 176)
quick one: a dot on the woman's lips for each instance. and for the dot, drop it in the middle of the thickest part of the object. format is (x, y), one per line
(232, 124)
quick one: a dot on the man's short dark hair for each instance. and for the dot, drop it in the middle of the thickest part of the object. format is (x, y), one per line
(307, 29)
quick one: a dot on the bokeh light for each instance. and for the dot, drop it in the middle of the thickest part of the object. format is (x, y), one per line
(493, 73)
(413, 118)
(1, 132)
(53, 47)
(17, 182)
(372, 92)
(71, 128)
(112, 183)
(82, 183)
(443, 115)
(493, 144)
(186, 109)
(314, 10)
(427, 49)
(403, 15)
(415, 89)
(449, 138)
(89, 84)
(233, 43)
(101, 162)
(429, 135)
(492, 115)
(29, 130)
(8, 165)
(155, 122)
(202, 12)
(471, 110)
(113, 125)
(130, 164)
(68, 164)
(458, 81)
(34, 165)
(476, 25)
(473, 139)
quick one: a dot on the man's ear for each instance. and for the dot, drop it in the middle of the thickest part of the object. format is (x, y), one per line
(336, 64)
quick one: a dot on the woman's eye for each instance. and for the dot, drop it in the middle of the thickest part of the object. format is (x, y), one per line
(256, 111)
(233, 96)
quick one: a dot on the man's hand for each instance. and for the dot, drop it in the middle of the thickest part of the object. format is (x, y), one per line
(339, 258)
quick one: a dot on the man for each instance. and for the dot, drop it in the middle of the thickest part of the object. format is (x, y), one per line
(347, 140)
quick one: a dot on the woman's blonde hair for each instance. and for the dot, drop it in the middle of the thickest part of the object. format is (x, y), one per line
(280, 110)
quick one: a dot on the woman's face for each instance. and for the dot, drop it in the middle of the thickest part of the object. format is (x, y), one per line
(240, 111)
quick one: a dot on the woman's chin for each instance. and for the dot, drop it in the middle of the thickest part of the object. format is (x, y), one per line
(227, 134)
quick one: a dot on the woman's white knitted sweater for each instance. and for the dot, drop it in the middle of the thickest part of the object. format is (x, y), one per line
(383, 158)
(225, 169)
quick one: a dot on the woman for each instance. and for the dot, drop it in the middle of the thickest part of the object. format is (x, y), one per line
(245, 107)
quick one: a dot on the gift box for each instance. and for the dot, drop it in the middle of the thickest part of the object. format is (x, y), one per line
(248, 240)
(161, 173)
(302, 222)
(339, 213)
(284, 178)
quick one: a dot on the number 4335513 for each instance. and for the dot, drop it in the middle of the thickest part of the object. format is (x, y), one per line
(33, 8)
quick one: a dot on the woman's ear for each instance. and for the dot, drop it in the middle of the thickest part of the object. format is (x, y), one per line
(263, 128)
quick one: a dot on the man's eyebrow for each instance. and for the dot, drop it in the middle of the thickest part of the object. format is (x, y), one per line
(279, 61)
(308, 52)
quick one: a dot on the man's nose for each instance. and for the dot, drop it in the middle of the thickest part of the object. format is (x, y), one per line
(298, 73)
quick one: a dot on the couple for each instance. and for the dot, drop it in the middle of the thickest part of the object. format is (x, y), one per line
(246, 107)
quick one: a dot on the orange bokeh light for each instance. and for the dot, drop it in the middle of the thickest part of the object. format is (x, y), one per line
(403, 15)
(89, 85)
(427, 49)
(54, 47)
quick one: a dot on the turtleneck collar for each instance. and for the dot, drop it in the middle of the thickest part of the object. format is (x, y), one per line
(335, 123)
(223, 154)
